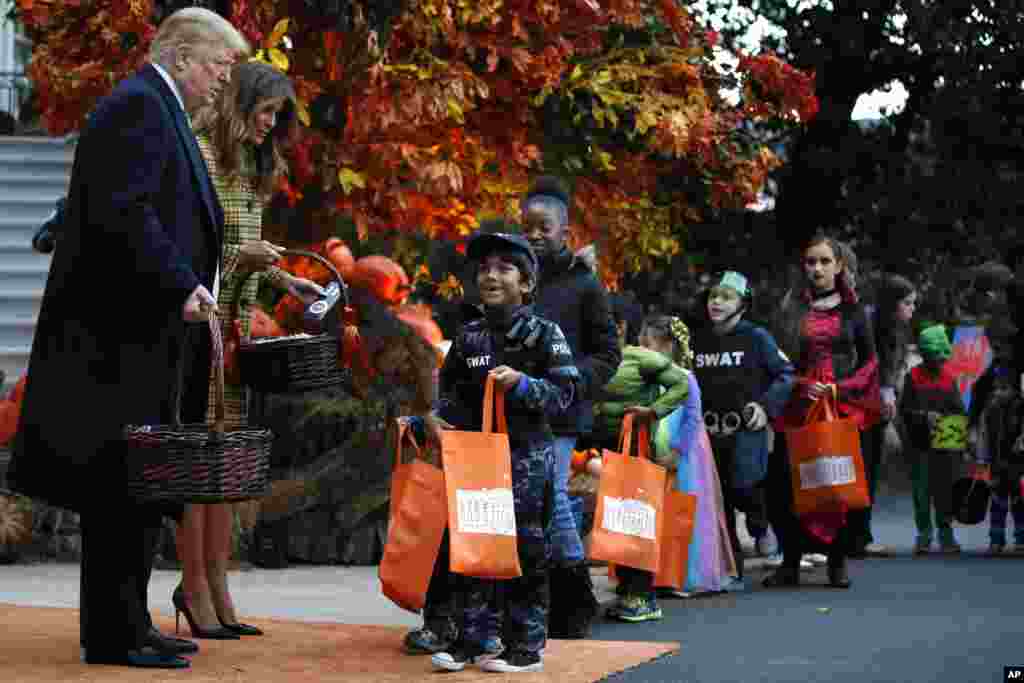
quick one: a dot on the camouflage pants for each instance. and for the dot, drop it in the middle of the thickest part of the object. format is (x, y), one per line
(520, 603)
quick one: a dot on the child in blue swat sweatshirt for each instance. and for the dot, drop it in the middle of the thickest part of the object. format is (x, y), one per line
(745, 381)
(529, 358)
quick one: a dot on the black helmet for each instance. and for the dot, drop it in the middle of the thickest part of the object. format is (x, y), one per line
(970, 500)
(484, 243)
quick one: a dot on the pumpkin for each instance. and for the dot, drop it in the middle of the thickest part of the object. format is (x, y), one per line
(340, 256)
(382, 277)
(10, 412)
(262, 325)
(418, 317)
(288, 313)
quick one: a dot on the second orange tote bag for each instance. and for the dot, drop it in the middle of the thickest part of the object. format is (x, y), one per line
(415, 526)
(630, 504)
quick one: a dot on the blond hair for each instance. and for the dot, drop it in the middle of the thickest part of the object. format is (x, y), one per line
(195, 28)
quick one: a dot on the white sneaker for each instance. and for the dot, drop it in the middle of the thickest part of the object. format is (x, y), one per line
(806, 565)
(457, 660)
(773, 561)
(817, 559)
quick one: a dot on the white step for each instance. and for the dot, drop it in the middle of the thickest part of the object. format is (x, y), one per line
(27, 209)
(19, 185)
(18, 230)
(35, 150)
(17, 331)
(20, 258)
(16, 178)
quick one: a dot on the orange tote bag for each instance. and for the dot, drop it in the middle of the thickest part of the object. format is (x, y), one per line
(630, 504)
(676, 533)
(415, 526)
(826, 464)
(481, 506)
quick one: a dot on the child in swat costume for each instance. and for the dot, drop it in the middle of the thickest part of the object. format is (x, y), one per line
(746, 381)
(530, 360)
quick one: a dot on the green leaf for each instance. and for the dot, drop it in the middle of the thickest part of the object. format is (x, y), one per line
(350, 179)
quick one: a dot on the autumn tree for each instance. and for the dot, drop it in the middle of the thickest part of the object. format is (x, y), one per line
(943, 173)
(423, 116)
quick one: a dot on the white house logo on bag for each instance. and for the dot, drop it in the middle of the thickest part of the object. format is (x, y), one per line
(629, 517)
(829, 470)
(489, 511)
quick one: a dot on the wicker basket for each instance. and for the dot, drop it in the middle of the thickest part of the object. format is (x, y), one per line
(294, 365)
(199, 463)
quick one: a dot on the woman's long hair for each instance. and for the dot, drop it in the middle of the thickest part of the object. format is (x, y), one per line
(892, 335)
(796, 302)
(227, 123)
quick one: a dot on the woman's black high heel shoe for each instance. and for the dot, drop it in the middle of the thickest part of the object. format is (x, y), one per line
(242, 629)
(181, 607)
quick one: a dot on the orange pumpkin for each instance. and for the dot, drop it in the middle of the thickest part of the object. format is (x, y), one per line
(10, 412)
(382, 277)
(340, 256)
(262, 325)
(288, 313)
(418, 317)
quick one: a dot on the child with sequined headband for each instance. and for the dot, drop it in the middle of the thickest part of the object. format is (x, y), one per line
(746, 381)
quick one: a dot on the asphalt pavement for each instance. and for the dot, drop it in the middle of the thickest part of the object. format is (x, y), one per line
(935, 618)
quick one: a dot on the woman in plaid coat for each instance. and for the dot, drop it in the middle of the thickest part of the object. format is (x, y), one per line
(240, 138)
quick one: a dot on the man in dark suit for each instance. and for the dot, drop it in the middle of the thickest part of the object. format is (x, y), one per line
(130, 287)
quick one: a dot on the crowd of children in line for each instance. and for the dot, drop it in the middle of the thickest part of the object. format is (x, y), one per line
(714, 388)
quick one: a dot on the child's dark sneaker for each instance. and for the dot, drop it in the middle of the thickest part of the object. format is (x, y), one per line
(637, 608)
(996, 548)
(430, 640)
(516, 662)
(950, 547)
(923, 546)
(493, 647)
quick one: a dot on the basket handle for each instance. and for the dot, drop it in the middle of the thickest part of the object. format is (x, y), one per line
(217, 342)
(293, 252)
(217, 346)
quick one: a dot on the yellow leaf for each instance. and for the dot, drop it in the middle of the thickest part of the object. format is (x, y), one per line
(280, 28)
(455, 110)
(260, 56)
(349, 179)
(603, 160)
(576, 73)
(302, 113)
(278, 59)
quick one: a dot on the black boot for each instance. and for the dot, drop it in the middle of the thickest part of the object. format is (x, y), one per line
(579, 606)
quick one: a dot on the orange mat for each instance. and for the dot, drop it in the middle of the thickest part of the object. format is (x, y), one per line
(41, 644)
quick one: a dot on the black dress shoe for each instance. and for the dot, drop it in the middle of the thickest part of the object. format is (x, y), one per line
(170, 645)
(146, 657)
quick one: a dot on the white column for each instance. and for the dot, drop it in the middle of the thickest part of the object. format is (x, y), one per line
(9, 62)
